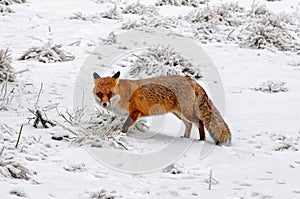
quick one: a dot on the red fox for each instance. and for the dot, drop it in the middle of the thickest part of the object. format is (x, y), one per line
(180, 95)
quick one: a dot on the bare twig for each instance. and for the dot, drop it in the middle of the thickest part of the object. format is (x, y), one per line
(3, 93)
(141, 58)
(38, 97)
(70, 130)
(210, 179)
(252, 7)
(22, 71)
(4, 88)
(19, 136)
(1, 150)
(228, 36)
(121, 144)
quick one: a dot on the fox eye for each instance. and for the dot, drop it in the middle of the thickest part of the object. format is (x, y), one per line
(100, 95)
(109, 95)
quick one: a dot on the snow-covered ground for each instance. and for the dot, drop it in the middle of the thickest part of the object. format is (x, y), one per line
(261, 89)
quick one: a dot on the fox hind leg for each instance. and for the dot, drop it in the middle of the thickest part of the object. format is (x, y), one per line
(188, 126)
(194, 119)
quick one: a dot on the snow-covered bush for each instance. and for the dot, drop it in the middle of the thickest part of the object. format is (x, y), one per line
(48, 53)
(225, 14)
(6, 70)
(206, 32)
(267, 30)
(110, 39)
(256, 28)
(112, 13)
(103, 129)
(261, 36)
(174, 169)
(9, 2)
(10, 165)
(96, 18)
(102, 194)
(166, 22)
(272, 86)
(194, 3)
(159, 61)
(139, 9)
(4, 10)
(131, 24)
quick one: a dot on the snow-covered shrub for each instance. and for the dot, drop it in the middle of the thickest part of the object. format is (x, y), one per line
(4, 10)
(112, 13)
(174, 169)
(6, 70)
(139, 9)
(102, 194)
(259, 10)
(206, 32)
(18, 193)
(261, 36)
(269, 31)
(131, 24)
(80, 16)
(9, 2)
(166, 22)
(110, 39)
(10, 165)
(6, 75)
(103, 129)
(285, 142)
(225, 14)
(272, 86)
(48, 53)
(194, 3)
(160, 61)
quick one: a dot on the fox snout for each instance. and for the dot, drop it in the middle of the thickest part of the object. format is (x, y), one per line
(102, 103)
(105, 104)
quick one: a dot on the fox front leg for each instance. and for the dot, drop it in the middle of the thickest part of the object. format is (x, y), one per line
(130, 121)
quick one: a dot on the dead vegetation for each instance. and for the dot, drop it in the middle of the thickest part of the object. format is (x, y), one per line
(4, 10)
(10, 166)
(139, 9)
(10, 2)
(95, 18)
(7, 75)
(49, 53)
(193, 3)
(272, 86)
(112, 13)
(160, 60)
(6, 70)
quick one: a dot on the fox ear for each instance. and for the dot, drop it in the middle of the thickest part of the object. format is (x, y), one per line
(117, 75)
(96, 76)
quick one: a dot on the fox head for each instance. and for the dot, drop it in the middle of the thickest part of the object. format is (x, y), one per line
(105, 88)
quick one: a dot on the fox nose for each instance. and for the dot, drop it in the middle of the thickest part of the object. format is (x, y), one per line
(105, 104)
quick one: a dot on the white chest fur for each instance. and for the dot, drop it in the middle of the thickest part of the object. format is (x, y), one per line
(114, 106)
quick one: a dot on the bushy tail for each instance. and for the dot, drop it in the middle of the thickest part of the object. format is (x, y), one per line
(212, 119)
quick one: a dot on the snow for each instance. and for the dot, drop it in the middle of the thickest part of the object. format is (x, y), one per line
(262, 162)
